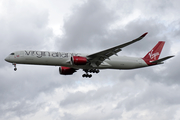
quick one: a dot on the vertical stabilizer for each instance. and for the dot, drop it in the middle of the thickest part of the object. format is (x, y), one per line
(155, 52)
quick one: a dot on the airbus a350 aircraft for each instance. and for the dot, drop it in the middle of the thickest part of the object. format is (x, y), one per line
(91, 63)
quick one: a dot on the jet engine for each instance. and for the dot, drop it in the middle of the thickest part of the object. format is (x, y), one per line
(66, 70)
(78, 60)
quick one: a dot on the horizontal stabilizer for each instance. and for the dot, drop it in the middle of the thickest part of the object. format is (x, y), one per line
(162, 59)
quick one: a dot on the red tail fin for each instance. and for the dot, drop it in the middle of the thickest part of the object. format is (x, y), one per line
(155, 52)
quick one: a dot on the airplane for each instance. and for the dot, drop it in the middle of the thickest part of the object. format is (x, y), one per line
(89, 63)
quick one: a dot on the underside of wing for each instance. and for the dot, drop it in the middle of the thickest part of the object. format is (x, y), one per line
(97, 58)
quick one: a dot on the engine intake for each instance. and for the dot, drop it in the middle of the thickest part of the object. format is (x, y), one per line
(78, 60)
(66, 70)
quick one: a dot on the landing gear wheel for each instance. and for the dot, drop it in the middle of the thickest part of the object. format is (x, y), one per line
(14, 66)
(93, 71)
(90, 76)
(87, 75)
(97, 71)
(83, 75)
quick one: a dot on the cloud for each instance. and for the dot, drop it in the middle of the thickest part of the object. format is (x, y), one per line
(23, 27)
(89, 21)
(87, 26)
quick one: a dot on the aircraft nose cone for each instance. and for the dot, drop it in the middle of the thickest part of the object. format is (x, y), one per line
(7, 59)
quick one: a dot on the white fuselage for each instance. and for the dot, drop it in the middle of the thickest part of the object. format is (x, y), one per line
(64, 59)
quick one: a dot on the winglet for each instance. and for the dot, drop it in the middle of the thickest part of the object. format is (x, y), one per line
(144, 34)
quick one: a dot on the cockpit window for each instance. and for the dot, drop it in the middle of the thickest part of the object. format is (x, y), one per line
(12, 54)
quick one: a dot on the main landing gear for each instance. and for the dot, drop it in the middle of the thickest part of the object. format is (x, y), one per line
(15, 68)
(91, 71)
(87, 75)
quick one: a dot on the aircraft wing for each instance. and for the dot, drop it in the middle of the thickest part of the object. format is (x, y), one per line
(97, 58)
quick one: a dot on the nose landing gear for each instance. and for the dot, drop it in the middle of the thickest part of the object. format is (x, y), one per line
(15, 68)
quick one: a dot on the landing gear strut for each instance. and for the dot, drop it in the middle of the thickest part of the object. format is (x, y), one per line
(91, 71)
(14, 67)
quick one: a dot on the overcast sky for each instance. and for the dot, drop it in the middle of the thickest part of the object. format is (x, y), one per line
(88, 26)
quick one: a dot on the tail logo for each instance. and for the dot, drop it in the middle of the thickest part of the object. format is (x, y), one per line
(153, 55)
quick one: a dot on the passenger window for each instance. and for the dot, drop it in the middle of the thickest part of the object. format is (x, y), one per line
(12, 54)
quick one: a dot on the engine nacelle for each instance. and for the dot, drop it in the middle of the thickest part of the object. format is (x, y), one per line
(66, 70)
(78, 60)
